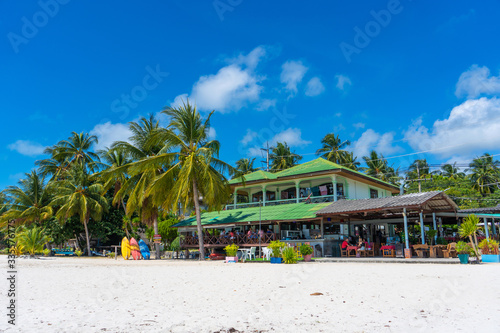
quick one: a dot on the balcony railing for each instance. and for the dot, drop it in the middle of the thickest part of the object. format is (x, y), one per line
(317, 199)
(222, 241)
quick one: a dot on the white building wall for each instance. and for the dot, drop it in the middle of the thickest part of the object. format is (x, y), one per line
(358, 190)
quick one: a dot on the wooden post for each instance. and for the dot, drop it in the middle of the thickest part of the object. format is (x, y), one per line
(116, 251)
(322, 230)
(422, 230)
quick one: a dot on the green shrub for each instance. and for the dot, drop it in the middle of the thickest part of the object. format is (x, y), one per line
(110, 254)
(276, 247)
(78, 253)
(231, 250)
(289, 255)
(488, 246)
(306, 249)
(46, 252)
(441, 241)
(464, 248)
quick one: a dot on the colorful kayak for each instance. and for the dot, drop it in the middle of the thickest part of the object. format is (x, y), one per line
(125, 248)
(144, 249)
(134, 247)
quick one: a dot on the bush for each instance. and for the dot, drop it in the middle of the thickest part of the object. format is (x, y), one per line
(289, 255)
(231, 250)
(78, 253)
(276, 247)
(32, 240)
(110, 254)
(46, 252)
(441, 241)
(306, 249)
(488, 246)
(464, 248)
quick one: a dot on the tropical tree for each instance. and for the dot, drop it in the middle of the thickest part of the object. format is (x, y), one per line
(282, 157)
(192, 170)
(32, 240)
(485, 173)
(469, 228)
(333, 149)
(139, 177)
(76, 194)
(418, 169)
(450, 171)
(28, 202)
(378, 167)
(350, 162)
(76, 149)
(245, 166)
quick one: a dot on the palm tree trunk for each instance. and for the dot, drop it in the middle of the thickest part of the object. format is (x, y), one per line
(198, 220)
(129, 221)
(155, 226)
(87, 236)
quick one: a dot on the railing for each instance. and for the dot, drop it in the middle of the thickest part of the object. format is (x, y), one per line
(317, 199)
(253, 239)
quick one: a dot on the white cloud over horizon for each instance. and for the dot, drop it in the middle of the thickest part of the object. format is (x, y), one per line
(314, 87)
(292, 73)
(27, 148)
(292, 136)
(342, 81)
(477, 81)
(371, 140)
(108, 133)
(472, 127)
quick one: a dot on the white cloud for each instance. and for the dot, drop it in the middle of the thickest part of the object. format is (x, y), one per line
(477, 81)
(27, 148)
(358, 125)
(292, 73)
(371, 140)
(212, 134)
(179, 100)
(108, 133)
(266, 104)
(314, 87)
(249, 136)
(472, 127)
(232, 87)
(342, 81)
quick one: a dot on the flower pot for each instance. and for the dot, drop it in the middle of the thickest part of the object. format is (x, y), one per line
(308, 257)
(276, 260)
(232, 259)
(490, 258)
(464, 258)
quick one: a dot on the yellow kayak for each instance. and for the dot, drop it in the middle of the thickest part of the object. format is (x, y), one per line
(125, 248)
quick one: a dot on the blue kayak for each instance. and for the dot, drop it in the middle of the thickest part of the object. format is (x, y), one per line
(144, 249)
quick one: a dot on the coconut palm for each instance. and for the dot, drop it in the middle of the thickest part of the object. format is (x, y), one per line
(376, 165)
(450, 171)
(245, 166)
(418, 169)
(28, 202)
(333, 149)
(349, 161)
(469, 228)
(192, 170)
(76, 194)
(282, 157)
(485, 173)
(32, 240)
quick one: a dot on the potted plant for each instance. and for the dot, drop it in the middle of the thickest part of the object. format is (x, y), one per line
(489, 250)
(276, 248)
(306, 251)
(463, 252)
(289, 255)
(231, 253)
(469, 228)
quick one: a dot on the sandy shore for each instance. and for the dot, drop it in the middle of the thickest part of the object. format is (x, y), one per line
(104, 295)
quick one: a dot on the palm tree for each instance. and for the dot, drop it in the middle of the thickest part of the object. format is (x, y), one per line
(32, 240)
(418, 169)
(485, 173)
(139, 179)
(245, 166)
(469, 228)
(282, 157)
(450, 171)
(29, 202)
(192, 170)
(76, 194)
(333, 149)
(350, 162)
(377, 165)
(76, 149)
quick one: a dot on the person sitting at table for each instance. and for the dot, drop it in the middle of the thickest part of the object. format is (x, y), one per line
(361, 244)
(261, 233)
(231, 234)
(345, 243)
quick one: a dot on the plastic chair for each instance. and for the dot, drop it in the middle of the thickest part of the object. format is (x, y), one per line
(267, 253)
(251, 253)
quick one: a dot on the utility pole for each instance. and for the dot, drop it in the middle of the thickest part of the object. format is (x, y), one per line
(419, 183)
(267, 155)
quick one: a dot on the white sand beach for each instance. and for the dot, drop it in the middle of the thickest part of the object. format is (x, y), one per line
(104, 295)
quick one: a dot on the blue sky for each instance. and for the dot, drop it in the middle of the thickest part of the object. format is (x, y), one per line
(396, 76)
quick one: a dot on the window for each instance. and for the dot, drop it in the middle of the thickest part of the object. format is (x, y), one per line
(373, 193)
(340, 189)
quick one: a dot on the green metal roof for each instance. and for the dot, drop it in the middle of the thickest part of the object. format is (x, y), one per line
(317, 165)
(251, 214)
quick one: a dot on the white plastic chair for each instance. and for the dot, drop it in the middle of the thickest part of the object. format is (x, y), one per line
(251, 253)
(267, 253)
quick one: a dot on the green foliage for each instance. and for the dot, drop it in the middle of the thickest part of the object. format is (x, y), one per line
(110, 254)
(231, 250)
(378, 167)
(289, 255)
(175, 245)
(441, 241)
(276, 247)
(281, 157)
(430, 234)
(469, 228)
(46, 252)
(333, 149)
(32, 240)
(488, 246)
(78, 253)
(306, 249)
(464, 248)
(168, 234)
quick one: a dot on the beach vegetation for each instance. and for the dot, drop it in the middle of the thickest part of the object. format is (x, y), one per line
(289, 255)
(32, 240)
(306, 249)
(488, 246)
(469, 229)
(231, 250)
(276, 247)
(464, 248)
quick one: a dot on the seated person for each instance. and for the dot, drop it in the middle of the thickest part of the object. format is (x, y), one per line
(361, 244)
(345, 243)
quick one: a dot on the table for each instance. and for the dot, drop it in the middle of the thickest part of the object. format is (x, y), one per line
(244, 253)
(388, 250)
(351, 248)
